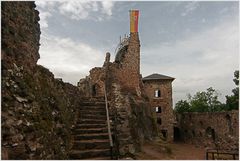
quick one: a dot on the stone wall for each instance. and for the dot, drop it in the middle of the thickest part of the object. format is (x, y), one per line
(127, 71)
(217, 129)
(97, 76)
(165, 118)
(37, 110)
(133, 122)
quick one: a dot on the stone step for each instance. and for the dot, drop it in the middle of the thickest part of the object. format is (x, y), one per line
(91, 144)
(90, 131)
(93, 112)
(93, 98)
(93, 103)
(89, 116)
(86, 126)
(91, 121)
(91, 136)
(93, 107)
(84, 154)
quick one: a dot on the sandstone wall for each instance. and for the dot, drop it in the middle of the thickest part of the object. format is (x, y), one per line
(218, 129)
(37, 110)
(97, 76)
(165, 102)
(127, 72)
(133, 122)
(133, 119)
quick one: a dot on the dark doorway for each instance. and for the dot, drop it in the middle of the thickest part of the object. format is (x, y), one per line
(164, 134)
(159, 121)
(94, 90)
(213, 134)
(176, 134)
(210, 132)
(229, 124)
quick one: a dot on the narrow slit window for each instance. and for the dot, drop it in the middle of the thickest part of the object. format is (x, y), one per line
(159, 121)
(157, 93)
(159, 109)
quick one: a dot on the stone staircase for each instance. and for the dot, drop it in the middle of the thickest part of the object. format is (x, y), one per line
(91, 140)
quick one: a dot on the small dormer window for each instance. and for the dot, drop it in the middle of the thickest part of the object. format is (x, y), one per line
(158, 109)
(157, 93)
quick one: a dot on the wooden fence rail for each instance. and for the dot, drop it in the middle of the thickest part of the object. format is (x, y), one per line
(212, 154)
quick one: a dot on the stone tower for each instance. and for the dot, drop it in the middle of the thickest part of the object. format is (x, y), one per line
(134, 43)
(128, 58)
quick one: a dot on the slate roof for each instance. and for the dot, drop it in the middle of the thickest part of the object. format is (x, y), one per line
(156, 76)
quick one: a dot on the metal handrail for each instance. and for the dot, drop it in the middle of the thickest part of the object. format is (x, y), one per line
(108, 121)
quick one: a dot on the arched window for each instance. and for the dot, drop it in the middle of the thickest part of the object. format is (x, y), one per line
(158, 109)
(229, 124)
(157, 93)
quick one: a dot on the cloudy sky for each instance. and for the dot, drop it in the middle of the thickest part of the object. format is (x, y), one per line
(195, 42)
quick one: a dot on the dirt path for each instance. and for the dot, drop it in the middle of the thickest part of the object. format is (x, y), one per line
(170, 151)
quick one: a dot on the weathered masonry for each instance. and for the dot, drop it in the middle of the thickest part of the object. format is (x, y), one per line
(132, 119)
(159, 91)
(212, 130)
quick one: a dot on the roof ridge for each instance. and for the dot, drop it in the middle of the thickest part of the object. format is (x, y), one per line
(156, 76)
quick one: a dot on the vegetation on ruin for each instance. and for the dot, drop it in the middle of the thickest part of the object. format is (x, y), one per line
(232, 101)
(207, 101)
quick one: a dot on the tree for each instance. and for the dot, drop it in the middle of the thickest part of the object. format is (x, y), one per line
(206, 101)
(232, 102)
(182, 106)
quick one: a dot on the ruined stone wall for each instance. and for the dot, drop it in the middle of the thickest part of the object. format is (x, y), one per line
(165, 118)
(133, 122)
(37, 110)
(217, 129)
(127, 72)
(97, 76)
(133, 119)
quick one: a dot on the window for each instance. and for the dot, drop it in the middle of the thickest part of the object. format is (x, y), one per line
(158, 109)
(159, 121)
(157, 93)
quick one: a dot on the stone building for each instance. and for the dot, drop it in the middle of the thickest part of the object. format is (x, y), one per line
(159, 91)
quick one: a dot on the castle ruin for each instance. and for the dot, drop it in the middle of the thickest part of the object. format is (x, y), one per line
(111, 113)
